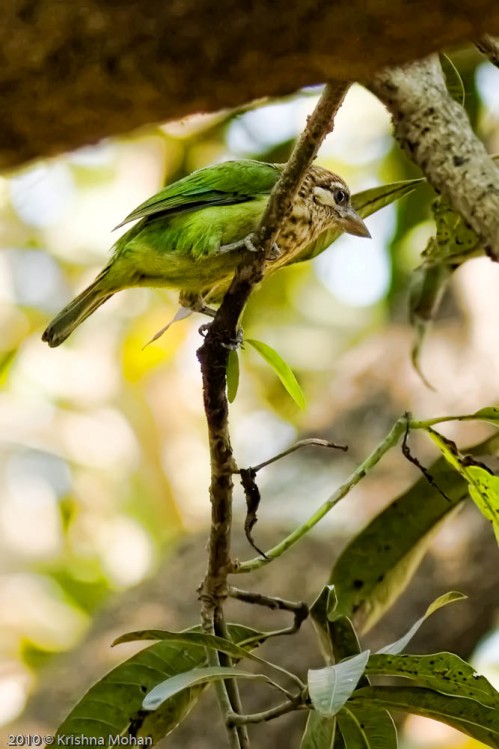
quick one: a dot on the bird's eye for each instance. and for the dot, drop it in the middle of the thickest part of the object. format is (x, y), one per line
(340, 196)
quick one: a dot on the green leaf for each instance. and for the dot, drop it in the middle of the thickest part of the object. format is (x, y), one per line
(379, 562)
(232, 375)
(483, 485)
(474, 719)
(176, 684)
(281, 368)
(324, 605)
(490, 414)
(330, 687)
(443, 672)
(427, 286)
(484, 491)
(399, 645)
(113, 706)
(455, 85)
(319, 732)
(220, 644)
(363, 728)
(321, 608)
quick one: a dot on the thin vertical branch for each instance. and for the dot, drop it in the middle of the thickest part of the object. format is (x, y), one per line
(213, 356)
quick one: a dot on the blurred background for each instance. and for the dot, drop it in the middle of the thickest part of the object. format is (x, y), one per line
(104, 464)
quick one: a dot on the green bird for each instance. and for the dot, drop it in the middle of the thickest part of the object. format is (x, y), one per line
(193, 234)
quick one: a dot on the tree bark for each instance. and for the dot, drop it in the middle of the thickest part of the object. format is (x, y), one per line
(436, 133)
(72, 73)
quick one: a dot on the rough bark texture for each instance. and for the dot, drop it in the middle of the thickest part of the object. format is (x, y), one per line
(73, 73)
(437, 135)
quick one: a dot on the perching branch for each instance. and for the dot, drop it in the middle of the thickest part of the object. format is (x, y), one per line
(435, 132)
(213, 356)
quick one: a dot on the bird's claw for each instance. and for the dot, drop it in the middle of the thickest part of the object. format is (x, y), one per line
(203, 329)
(274, 253)
(233, 345)
(237, 342)
(241, 244)
(247, 244)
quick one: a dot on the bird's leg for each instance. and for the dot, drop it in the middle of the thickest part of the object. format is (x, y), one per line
(241, 244)
(247, 244)
(198, 305)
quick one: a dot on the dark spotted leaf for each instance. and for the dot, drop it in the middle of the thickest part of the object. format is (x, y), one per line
(468, 716)
(362, 728)
(443, 672)
(373, 570)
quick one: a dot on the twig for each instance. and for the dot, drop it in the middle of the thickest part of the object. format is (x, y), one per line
(213, 356)
(436, 133)
(252, 492)
(490, 48)
(298, 608)
(230, 685)
(253, 497)
(390, 440)
(406, 452)
(297, 446)
(273, 712)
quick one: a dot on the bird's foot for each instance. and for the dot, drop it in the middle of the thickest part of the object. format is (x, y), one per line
(202, 308)
(247, 244)
(232, 345)
(274, 253)
(241, 244)
(237, 342)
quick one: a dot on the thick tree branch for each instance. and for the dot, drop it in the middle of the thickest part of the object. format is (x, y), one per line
(436, 133)
(72, 73)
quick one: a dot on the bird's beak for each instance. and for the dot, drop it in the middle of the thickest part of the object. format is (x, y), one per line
(352, 223)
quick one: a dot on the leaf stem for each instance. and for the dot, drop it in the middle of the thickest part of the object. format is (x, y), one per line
(265, 715)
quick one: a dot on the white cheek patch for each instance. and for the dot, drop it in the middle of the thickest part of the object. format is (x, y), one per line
(324, 197)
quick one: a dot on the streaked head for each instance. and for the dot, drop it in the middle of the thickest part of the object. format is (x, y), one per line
(331, 192)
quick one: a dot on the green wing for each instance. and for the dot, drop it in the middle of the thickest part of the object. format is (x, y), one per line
(223, 184)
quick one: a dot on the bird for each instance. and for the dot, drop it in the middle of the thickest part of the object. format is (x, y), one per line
(193, 234)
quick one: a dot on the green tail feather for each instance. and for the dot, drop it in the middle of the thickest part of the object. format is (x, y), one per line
(76, 312)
